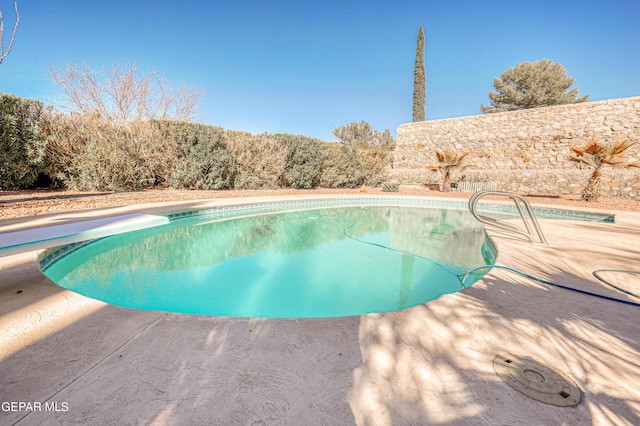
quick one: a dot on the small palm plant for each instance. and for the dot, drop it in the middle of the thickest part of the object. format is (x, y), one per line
(595, 154)
(448, 160)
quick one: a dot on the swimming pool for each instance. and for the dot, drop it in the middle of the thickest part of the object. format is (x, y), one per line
(321, 259)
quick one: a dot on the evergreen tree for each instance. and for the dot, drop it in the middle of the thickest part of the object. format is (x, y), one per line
(419, 80)
(532, 85)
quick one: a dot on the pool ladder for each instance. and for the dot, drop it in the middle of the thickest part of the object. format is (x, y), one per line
(531, 223)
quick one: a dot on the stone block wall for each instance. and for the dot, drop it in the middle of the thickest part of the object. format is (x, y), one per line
(525, 151)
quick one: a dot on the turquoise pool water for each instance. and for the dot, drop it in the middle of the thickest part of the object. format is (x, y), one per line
(315, 262)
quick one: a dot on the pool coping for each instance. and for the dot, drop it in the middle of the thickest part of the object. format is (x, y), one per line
(88, 233)
(18, 238)
(500, 312)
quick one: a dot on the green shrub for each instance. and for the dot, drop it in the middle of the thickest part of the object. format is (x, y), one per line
(390, 187)
(90, 153)
(258, 160)
(375, 163)
(340, 168)
(361, 134)
(202, 159)
(22, 143)
(350, 167)
(304, 159)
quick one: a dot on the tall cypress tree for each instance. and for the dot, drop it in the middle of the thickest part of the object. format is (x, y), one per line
(419, 80)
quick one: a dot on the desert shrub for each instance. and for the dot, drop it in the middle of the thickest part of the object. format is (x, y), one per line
(361, 134)
(448, 161)
(22, 143)
(349, 167)
(390, 187)
(340, 168)
(91, 153)
(375, 163)
(258, 161)
(596, 154)
(202, 160)
(304, 159)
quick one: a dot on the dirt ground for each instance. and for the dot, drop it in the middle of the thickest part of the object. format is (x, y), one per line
(20, 204)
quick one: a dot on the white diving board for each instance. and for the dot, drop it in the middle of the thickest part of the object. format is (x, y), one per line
(49, 236)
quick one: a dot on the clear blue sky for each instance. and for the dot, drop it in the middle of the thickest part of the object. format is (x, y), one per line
(306, 67)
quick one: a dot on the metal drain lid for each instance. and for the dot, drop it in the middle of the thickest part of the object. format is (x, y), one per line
(537, 381)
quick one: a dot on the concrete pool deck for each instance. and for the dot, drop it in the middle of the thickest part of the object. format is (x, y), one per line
(73, 360)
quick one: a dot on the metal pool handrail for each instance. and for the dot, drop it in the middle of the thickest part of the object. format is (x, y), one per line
(530, 223)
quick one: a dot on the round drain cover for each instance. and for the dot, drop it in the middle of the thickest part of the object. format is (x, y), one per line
(537, 381)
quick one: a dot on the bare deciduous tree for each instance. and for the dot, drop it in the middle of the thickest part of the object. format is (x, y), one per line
(123, 93)
(3, 53)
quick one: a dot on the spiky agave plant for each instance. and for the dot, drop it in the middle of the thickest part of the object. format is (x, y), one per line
(448, 160)
(596, 154)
